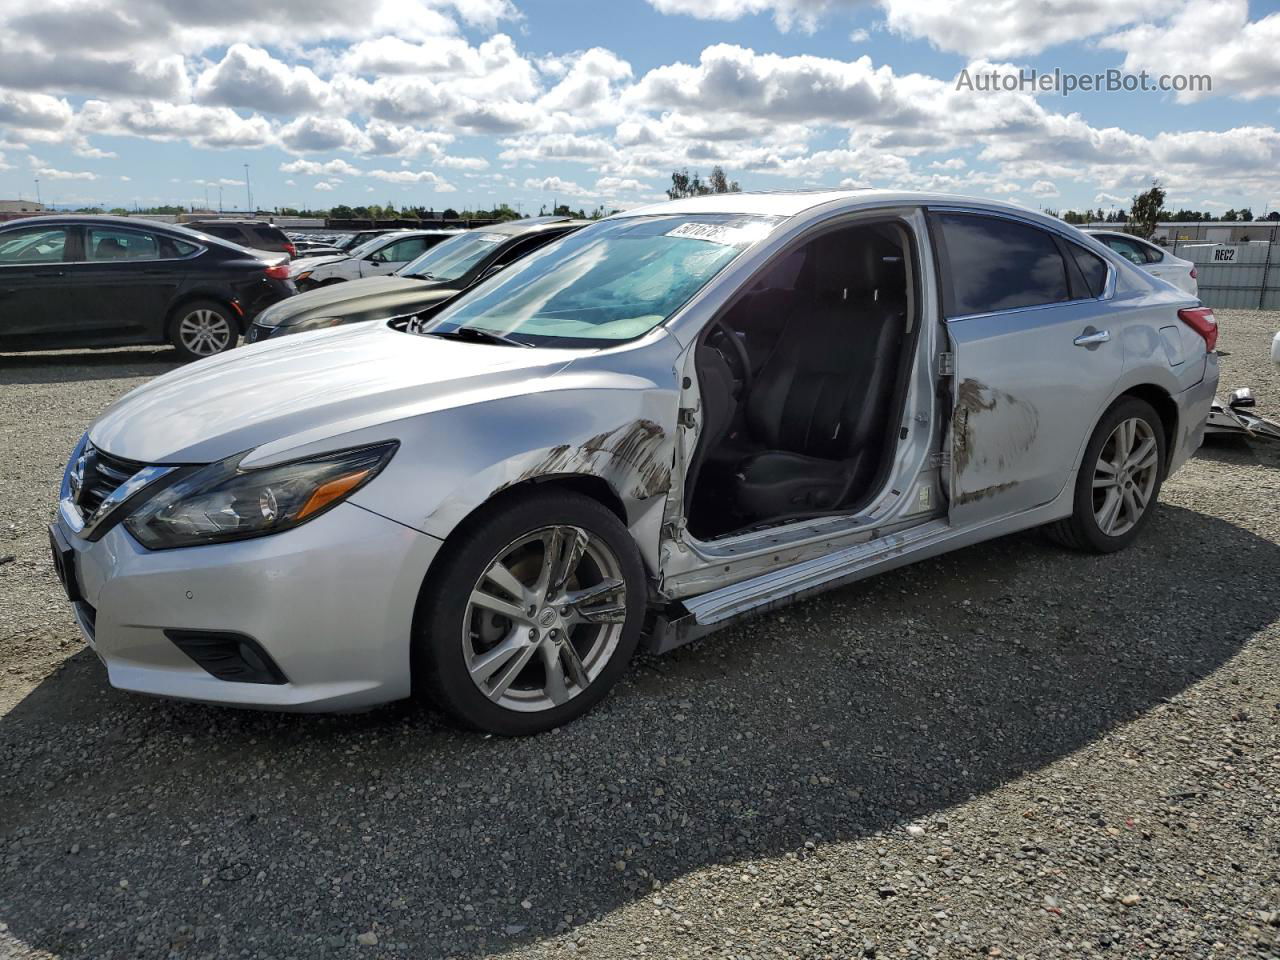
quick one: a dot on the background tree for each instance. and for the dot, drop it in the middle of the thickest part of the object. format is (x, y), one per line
(1231, 216)
(1246, 214)
(1145, 212)
(684, 185)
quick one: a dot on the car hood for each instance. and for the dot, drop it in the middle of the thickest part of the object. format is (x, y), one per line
(307, 388)
(375, 296)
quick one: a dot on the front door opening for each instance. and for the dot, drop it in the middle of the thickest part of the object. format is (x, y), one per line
(801, 382)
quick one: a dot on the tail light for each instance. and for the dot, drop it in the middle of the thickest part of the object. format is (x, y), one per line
(1201, 320)
(278, 271)
(290, 249)
(1193, 273)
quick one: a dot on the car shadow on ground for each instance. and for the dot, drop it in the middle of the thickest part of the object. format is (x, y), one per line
(882, 703)
(70, 366)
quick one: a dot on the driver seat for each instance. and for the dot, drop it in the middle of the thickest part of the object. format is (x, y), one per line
(821, 401)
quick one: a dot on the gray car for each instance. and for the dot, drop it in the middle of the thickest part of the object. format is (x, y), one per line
(674, 418)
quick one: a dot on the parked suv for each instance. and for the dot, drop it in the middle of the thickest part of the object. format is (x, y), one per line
(110, 281)
(254, 234)
(419, 287)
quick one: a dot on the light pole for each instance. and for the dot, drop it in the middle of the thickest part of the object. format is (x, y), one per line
(248, 193)
(219, 198)
(38, 190)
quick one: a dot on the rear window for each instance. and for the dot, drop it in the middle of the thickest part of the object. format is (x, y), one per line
(269, 234)
(218, 230)
(996, 264)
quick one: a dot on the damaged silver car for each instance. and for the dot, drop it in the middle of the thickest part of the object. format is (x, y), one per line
(677, 417)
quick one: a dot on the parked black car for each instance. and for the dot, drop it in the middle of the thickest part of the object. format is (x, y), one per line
(420, 286)
(254, 234)
(96, 281)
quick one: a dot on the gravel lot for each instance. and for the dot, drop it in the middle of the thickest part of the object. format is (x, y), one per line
(1009, 751)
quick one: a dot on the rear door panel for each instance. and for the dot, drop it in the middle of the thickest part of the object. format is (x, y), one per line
(1024, 395)
(1025, 399)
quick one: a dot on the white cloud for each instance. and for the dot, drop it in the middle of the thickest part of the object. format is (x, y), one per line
(251, 78)
(1001, 28)
(804, 14)
(324, 186)
(557, 185)
(38, 111)
(311, 168)
(214, 127)
(428, 177)
(1045, 188)
(52, 173)
(1214, 37)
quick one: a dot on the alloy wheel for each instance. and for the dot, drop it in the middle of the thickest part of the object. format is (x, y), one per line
(544, 619)
(1124, 479)
(204, 332)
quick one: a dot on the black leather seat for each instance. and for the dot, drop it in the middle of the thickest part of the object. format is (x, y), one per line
(821, 401)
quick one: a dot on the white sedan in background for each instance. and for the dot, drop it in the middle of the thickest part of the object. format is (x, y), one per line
(373, 258)
(1147, 256)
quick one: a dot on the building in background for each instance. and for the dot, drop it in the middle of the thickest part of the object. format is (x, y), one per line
(16, 209)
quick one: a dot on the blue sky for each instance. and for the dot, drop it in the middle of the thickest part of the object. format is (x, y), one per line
(473, 102)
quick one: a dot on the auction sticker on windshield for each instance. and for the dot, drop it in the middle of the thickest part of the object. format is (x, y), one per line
(728, 234)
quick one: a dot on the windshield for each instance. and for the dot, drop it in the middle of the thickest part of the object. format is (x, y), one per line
(454, 257)
(613, 281)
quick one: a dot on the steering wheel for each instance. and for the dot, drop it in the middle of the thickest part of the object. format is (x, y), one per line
(737, 357)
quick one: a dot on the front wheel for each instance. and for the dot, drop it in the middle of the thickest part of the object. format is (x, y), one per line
(202, 328)
(533, 616)
(1119, 480)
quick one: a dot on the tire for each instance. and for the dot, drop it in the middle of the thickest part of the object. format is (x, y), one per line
(492, 663)
(1109, 489)
(202, 328)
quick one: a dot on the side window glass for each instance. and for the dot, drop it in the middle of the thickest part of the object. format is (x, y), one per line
(1092, 267)
(996, 264)
(1152, 254)
(108, 243)
(35, 245)
(403, 250)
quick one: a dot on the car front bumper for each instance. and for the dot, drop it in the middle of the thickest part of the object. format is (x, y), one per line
(330, 602)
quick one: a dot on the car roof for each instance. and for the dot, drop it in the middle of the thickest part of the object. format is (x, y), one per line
(789, 203)
(516, 228)
(239, 222)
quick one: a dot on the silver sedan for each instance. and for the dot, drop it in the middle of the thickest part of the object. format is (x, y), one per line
(675, 418)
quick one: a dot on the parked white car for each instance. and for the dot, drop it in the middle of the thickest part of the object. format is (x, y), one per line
(1147, 256)
(373, 258)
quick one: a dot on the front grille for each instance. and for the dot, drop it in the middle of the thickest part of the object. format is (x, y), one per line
(103, 473)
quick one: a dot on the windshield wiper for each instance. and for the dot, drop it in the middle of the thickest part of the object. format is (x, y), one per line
(478, 335)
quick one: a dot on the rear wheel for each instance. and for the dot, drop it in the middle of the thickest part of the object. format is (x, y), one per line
(1119, 480)
(533, 616)
(202, 328)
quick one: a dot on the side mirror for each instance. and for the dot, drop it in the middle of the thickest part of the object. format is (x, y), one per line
(1241, 398)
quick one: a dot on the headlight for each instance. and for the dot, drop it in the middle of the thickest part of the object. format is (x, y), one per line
(223, 502)
(316, 323)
